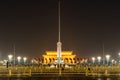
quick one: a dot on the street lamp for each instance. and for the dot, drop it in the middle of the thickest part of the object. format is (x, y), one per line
(119, 53)
(107, 58)
(24, 59)
(19, 58)
(10, 57)
(86, 61)
(99, 59)
(93, 59)
(112, 61)
(119, 57)
(32, 61)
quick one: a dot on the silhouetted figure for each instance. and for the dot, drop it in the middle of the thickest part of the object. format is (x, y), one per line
(62, 68)
(49, 65)
(89, 69)
(7, 64)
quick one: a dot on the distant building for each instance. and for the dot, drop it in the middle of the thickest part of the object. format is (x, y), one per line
(51, 57)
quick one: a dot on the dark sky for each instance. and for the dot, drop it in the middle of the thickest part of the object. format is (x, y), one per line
(85, 26)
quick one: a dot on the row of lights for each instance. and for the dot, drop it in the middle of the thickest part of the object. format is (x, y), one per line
(99, 59)
(93, 58)
(18, 58)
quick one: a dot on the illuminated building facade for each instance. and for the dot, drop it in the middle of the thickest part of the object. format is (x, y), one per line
(66, 56)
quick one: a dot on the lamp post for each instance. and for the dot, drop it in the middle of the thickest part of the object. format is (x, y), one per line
(107, 58)
(99, 59)
(119, 53)
(10, 58)
(118, 58)
(112, 61)
(32, 62)
(93, 60)
(18, 58)
(24, 59)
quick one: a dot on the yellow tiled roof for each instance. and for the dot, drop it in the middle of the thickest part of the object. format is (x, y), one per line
(55, 53)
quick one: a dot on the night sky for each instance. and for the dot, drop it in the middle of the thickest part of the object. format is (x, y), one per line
(85, 26)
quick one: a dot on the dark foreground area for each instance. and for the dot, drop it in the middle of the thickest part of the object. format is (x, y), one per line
(64, 77)
(73, 78)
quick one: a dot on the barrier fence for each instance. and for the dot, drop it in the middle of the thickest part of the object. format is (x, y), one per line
(39, 70)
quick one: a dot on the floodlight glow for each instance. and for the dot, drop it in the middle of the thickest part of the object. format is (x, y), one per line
(10, 57)
(19, 58)
(119, 53)
(112, 61)
(24, 59)
(107, 58)
(93, 59)
(99, 58)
